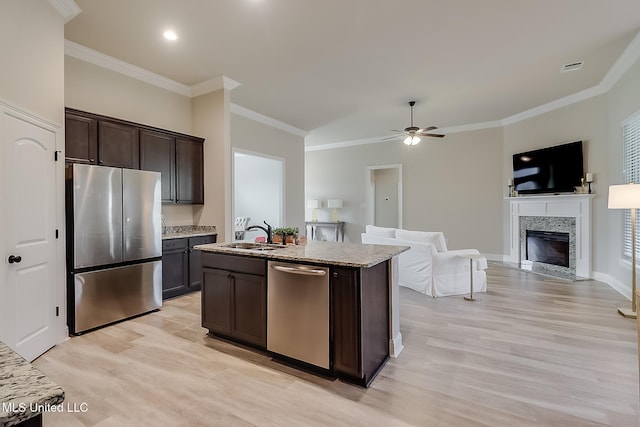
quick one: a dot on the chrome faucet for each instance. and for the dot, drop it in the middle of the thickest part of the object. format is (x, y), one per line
(267, 230)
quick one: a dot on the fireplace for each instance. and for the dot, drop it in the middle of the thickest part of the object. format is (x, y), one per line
(548, 247)
(570, 213)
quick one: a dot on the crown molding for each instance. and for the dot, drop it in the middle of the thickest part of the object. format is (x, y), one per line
(344, 144)
(470, 127)
(213, 85)
(261, 118)
(554, 105)
(67, 8)
(626, 60)
(110, 63)
(94, 57)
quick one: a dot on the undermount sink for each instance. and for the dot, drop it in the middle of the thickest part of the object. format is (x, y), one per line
(253, 246)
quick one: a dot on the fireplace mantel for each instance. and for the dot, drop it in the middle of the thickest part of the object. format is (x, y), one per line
(576, 206)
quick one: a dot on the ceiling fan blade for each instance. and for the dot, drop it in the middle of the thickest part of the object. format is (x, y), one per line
(392, 137)
(433, 135)
(427, 129)
(396, 130)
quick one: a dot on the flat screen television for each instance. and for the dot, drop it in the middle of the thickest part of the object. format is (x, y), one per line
(556, 169)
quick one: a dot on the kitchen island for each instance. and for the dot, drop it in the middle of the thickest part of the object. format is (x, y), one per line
(343, 321)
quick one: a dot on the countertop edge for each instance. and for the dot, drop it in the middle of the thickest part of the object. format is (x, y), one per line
(295, 257)
(188, 234)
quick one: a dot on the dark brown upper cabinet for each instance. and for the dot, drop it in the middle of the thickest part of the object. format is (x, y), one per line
(81, 138)
(190, 171)
(158, 153)
(118, 145)
(107, 141)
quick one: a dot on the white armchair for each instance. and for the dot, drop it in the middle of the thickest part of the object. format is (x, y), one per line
(428, 267)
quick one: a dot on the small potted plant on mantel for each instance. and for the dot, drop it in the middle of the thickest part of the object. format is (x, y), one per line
(291, 234)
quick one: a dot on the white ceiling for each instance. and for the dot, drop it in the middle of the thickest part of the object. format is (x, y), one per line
(344, 69)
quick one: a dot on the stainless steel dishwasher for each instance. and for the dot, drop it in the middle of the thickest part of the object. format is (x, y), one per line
(298, 312)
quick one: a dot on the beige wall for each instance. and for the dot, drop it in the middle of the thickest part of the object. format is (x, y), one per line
(31, 42)
(586, 121)
(210, 120)
(622, 101)
(95, 89)
(98, 90)
(451, 185)
(258, 138)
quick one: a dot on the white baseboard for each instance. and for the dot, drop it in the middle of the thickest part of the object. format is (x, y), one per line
(395, 345)
(622, 288)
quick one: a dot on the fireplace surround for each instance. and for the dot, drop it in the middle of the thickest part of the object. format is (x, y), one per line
(567, 213)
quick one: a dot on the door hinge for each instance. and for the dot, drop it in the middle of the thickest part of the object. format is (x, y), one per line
(55, 155)
(57, 234)
(57, 311)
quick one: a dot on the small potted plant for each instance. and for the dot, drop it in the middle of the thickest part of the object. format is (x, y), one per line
(291, 234)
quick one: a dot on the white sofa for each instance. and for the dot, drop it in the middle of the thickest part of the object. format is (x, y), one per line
(428, 267)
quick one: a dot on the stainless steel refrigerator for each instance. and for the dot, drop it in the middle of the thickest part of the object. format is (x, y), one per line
(114, 245)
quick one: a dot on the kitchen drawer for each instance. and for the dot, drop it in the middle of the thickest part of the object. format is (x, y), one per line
(201, 240)
(240, 264)
(174, 244)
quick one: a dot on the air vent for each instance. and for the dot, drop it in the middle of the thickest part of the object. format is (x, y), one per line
(574, 66)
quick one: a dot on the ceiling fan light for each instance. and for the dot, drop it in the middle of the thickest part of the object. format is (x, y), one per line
(411, 140)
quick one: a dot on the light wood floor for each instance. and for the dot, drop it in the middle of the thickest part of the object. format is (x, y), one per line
(530, 352)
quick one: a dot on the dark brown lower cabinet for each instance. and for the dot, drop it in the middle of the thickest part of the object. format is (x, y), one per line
(234, 298)
(175, 267)
(182, 265)
(234, 306)
(360, 321)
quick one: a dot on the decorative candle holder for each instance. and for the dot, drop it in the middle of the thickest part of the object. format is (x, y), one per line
(589, 180)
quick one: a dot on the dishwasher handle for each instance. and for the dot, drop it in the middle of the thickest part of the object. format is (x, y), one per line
(300, 270)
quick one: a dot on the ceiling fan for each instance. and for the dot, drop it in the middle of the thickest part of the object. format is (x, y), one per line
(413, 133)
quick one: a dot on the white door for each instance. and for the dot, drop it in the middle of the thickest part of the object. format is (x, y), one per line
(28, 226)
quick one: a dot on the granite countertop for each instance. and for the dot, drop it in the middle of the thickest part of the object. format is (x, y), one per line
(24, 391)
(331, 253)
(182, 231)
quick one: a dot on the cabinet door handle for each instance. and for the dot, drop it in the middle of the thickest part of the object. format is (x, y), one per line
(14, 258)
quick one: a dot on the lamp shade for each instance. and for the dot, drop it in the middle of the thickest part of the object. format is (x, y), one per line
(313, 204)
(334, 203)
(624, 196)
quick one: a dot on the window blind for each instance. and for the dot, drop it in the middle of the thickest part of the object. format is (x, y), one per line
(631, 142)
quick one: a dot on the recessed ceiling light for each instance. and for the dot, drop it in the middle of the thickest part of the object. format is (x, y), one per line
(170, 35)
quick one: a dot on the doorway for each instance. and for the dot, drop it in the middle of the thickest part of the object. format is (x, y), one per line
(258, 191)
(385, 196)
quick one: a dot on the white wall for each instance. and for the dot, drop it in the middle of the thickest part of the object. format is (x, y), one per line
(451, 185)
(32, 80)
(258, 190)
(32, 46)
(247, 134)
